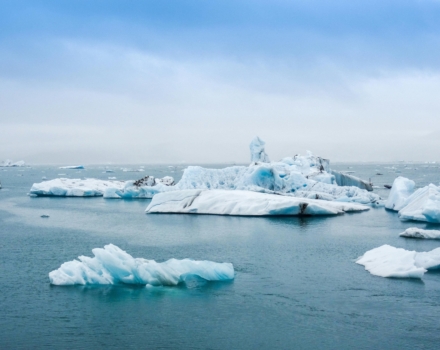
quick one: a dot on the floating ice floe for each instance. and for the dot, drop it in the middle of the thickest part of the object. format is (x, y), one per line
(244, 203)
(72, 167)
(421, 205)
(415, 232)
(63, 187)
(388, 261)
(400, 191)
(9, 163)
(74, 187)
(112, 265)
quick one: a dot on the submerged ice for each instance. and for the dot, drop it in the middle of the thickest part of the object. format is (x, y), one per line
(112, 265)
(388, 261)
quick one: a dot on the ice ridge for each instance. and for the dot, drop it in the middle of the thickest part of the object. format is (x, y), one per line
(112, 265)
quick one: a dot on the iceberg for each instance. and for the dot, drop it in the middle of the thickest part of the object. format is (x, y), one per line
(400, 191)
(415, 232)
(244, 203)
(63, 187)
(72, 167)
(388, 261)
(299, 176)
(9, 163)
(112, 265)
(422, 205)
(74, 187)
(257, 151)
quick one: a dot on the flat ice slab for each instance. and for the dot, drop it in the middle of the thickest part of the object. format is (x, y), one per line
(112, 265)
(74, 187)
(415, 232)
(388, 261)
(244, 203)
(63, 187)
(72, 167)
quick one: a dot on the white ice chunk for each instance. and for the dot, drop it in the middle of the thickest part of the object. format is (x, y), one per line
(388, 261)
(257, 151)
(63, 187)
(9, 163)
(400, 191)
(74, 187)
(72, 167)
(422, 205)
(112, 265)
(244, 203)
(415, 232)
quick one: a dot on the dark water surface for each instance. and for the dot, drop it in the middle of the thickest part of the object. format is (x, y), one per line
(296, 285)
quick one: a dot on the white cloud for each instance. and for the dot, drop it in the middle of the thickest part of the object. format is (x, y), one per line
(128, 105)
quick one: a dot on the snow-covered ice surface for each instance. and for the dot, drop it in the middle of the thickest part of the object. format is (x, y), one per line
(74, 187)
(414, 232)
(244, 203)
(112, 265)
(400, 191)
(422, 205)
(72, 167)
(388, 261)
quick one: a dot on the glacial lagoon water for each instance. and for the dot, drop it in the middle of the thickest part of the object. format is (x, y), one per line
(296, 284)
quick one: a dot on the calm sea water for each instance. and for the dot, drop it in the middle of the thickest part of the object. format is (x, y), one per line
(296, 285)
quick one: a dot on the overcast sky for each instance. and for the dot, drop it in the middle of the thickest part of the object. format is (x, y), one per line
(168, 81)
